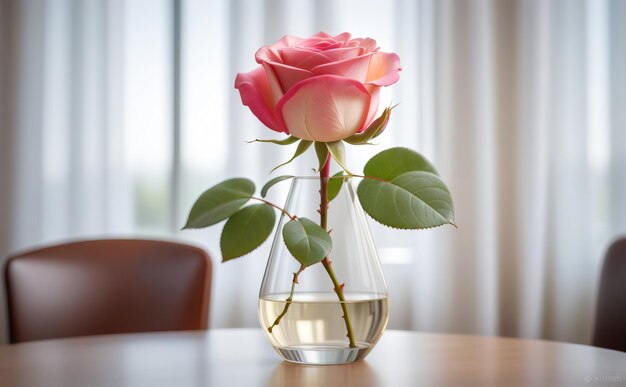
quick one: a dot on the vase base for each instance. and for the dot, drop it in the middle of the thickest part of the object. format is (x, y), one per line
(322, 355)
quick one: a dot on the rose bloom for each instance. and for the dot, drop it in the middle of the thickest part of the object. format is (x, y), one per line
(323, 88)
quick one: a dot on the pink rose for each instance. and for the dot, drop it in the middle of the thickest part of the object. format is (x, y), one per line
(323, 88)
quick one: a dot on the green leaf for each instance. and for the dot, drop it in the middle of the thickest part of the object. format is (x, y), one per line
(338, 152)
(219, 202)
(246, 230)
(375, 129)
(393, 162)
(306, 241)
(287, 141)
(302, 147)
(334, 185)
(271, 183)
(322, 154)
(412, 200)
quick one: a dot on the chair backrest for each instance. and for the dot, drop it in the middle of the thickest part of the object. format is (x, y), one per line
(610, 329)
(107, 286)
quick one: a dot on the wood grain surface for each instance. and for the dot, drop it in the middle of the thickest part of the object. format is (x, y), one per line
(244, 357)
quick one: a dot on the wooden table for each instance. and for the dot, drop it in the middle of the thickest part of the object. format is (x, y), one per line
(243, 357)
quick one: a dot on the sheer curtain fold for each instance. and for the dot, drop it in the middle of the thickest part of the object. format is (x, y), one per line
(617, 113)
(9, 17)
(519, 103)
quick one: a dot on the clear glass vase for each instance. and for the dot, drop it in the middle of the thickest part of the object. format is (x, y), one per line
(311, 328)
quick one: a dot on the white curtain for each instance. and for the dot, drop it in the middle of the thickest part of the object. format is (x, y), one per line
(521, 105)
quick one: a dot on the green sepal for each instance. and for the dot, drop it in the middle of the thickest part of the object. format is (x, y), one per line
(322, 154)
(302, 147)
(338, 151)
(287, 141)
(376, 128)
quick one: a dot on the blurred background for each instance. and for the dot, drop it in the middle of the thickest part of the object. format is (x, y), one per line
(115, 115)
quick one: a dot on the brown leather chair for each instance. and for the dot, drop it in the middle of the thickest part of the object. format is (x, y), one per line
(610, 329)
(107, 286)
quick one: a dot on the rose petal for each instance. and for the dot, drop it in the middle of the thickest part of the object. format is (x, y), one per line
(308, 59)
(384, 69)
(324, 108)
(342, 37)
(373, 111)
(288, 75)
(267, 54)
(354, 68)
(319, 44)
(367, 44)
(337, 54)
(287, 41)
(325, 46)
(271, 52)
(255, 93)
(321, 34)
(274, 82)
(295, 56)
(313, 41)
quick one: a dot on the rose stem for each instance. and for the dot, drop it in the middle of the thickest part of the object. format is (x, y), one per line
(295, 275)
(324, 173)
(288, 300)
(282, 210)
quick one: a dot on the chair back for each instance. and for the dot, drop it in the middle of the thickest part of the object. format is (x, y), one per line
(108, 286)
(610, 328)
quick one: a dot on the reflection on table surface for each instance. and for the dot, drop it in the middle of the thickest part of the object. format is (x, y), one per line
(244, 357)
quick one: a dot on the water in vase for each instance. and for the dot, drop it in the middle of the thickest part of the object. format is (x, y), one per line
(313, 329)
